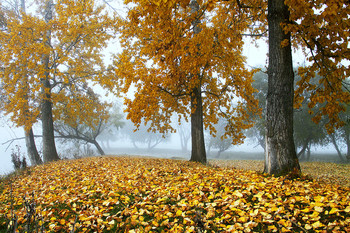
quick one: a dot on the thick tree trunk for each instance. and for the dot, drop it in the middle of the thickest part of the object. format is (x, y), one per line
(49, 147)
(198, 153)
(280, 155)
(33, 154)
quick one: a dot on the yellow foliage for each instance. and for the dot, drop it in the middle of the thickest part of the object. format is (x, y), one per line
(78, 31)
(166, 61)
(321, 29)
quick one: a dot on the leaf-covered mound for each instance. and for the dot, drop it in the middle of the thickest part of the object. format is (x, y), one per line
(123, 194)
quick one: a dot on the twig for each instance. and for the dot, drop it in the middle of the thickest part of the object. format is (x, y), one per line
(75, 221)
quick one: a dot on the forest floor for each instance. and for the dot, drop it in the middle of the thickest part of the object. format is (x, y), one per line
(326, 172)
(147, 194)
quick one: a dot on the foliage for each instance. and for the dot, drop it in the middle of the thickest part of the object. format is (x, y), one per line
(109, 194)
(72, 41)
(321, 29)
(169, 64)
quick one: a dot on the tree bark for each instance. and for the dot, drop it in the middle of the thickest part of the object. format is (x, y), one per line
(49, 147)
(33, 154)
(198, 153)
(280, 155)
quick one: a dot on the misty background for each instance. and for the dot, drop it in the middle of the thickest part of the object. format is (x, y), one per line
(119, 141)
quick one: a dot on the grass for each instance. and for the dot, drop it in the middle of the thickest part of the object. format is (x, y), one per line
(135, 194)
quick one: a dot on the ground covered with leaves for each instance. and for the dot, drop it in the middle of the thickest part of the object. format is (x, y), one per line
(124, 194)
(333, 173)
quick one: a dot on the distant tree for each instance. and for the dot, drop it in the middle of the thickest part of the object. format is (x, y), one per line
(143, 135)
(101, 121)
(220, 141)
(307, 133)
(258, 131)
(341, 136)
(184, 131)
(113, 125)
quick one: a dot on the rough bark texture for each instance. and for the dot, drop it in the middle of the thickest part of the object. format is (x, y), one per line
(49, 147)
(280, 155)
(33, 154)
(198, 153)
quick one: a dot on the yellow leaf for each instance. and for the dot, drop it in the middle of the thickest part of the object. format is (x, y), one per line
(178, 213)
(317, 224)
(111, 222)
(318, 209)
(347, 209)
(333, 211)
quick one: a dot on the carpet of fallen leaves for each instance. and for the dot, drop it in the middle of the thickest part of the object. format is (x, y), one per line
(329, 173)
(123, 194)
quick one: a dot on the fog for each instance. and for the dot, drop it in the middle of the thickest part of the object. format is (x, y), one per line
(123, 146)
(256, 57)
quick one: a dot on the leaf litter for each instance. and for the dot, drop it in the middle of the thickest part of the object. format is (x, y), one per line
(124, 194)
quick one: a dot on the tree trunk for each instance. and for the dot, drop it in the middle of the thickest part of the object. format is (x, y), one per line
(280, 155)
(347, 140)
(303, 149)
(49, 147)
(33, 154)
(334, 142)
(198, 153)
(99, 148)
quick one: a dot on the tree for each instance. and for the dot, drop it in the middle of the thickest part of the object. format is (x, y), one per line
(185, 57)
(93, 124)
(219, 141)
(184, 130)
(306, 131)
(258, 131)
(112, 127)
(143, 135)
(56, 53)
(15, 8)
(280, 155)
(342, 135)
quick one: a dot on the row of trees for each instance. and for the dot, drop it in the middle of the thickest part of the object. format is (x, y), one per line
(182, 57)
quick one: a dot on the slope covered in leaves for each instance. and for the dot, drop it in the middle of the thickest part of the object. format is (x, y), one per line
(126, 194)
